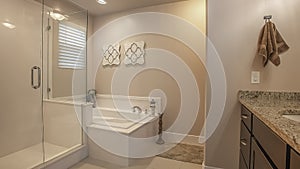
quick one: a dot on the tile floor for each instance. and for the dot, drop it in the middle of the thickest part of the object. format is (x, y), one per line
(156, 163)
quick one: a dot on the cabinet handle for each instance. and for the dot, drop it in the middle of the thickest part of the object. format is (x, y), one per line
(244, 142)
(244, 116)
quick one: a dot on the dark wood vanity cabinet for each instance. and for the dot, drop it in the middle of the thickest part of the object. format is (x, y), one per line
(242, 162)
(275, 148)
(246, 117)
(245, 138)
(294, 160)
(258, 161)
(245, 144)
(261, 148)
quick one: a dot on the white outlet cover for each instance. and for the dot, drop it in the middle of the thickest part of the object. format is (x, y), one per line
(255, 77)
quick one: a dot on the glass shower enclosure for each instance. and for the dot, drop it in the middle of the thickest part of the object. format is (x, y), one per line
(42, 46)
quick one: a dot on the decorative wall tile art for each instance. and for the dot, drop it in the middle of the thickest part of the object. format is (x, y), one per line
(134, 53)
(111, 55)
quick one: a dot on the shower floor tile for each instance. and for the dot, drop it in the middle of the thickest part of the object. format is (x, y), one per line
(30, 157)
(52, 150)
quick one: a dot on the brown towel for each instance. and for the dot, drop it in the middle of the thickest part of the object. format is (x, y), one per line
(270, 44)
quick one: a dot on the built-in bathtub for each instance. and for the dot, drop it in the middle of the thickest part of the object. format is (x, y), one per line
(113, 124)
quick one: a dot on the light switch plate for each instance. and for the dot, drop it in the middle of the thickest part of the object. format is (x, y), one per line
(255, 77)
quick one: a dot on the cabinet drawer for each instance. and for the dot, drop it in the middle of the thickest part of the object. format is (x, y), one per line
(295, 160)
(271, 143)
(246, 117)
(258, 160)
(242, 164)
(245, 142)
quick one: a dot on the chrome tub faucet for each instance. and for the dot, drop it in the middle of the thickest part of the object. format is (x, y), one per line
(91, 97)
(134, 108)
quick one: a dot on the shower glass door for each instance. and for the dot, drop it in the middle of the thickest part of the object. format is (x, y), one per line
(21, 122)
(64, 56)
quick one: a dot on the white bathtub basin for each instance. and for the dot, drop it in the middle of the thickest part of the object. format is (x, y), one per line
(117, 119)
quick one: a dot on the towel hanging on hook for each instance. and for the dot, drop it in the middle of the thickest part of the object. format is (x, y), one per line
(267, 18)
(270, 43)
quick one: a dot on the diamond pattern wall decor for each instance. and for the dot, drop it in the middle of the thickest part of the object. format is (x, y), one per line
(111, 55)
(134, 53)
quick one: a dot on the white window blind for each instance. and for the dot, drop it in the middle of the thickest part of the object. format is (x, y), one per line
(72, 45)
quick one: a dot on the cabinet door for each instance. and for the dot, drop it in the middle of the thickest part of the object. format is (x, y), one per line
(295, 160)
(242, 162)
(272, 144)
(259, 161)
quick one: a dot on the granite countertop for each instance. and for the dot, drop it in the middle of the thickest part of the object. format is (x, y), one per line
(269, 108)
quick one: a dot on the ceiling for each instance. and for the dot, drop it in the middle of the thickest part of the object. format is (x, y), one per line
(113, 6)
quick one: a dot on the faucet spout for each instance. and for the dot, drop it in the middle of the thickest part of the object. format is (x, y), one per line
(138, 108)
(91, 97)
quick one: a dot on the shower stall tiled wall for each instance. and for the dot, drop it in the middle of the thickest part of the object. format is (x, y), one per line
(36, 127)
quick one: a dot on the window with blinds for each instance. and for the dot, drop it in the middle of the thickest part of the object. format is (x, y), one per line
(72, 47)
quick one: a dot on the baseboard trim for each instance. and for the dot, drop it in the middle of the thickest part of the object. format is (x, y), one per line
(182, 138)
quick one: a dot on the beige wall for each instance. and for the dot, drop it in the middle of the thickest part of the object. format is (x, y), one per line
(151, 79)
(233, 27)
(143, 83)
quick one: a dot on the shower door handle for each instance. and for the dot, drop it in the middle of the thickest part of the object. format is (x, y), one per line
(38, 69)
